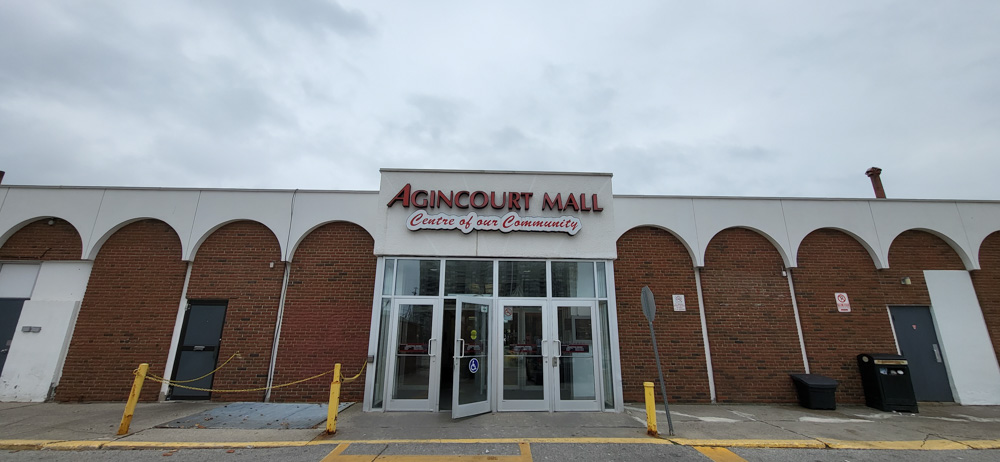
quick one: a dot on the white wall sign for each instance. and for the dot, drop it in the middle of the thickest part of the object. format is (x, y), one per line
(843, 304)
(530, 222)
(510, 221)
(679, 304)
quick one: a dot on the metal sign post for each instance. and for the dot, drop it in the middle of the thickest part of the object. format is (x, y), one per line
(649, 309)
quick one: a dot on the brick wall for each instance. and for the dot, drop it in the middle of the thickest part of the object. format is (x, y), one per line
(127, 315)
(41, 241)
(910, 254)
(987, 284)
(751, 325)
(327, 312)
(234, 264)
(830, 261)
(654, 257)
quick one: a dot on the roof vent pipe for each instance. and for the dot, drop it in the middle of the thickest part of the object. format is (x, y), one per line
(874, 173)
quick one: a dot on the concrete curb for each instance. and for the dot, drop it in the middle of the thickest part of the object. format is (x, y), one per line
(928, 445)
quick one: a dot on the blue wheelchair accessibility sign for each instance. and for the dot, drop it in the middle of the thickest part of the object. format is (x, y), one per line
(473, 365)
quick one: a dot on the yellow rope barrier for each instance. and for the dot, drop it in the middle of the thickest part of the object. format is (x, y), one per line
(245, 390)
(235, 355)
(356, 376)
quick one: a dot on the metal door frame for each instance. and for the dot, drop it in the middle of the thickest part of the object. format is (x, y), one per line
(180, 345)
(559, 404)
(434, 347)
(5, 348)
(935, 346)
(502, 404)
(480, 407)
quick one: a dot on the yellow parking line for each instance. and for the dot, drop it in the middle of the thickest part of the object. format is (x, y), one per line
(75, 445)
(20, 445)
(796, 444)
(525, 452)
(930, 445)
(719, 454)
(585, 440)
(982, 444)
(337, 456)
(27, 444)
(335, 452)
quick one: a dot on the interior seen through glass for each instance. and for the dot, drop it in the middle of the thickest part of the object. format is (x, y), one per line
(572, 353)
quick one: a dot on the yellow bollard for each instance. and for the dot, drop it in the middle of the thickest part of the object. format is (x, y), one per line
(331, 412)
(133, 397)
(650, 409)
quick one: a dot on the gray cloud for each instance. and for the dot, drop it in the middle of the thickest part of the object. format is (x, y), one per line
(771, 98)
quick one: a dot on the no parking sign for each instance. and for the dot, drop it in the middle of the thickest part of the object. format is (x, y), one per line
(843, 304)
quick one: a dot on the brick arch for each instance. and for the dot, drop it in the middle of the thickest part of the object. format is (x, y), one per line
(40, 241)
(779, 249)
(196, 244)
(649, 255)
(95, 246)
(127, 314)
(910, 253)
(240, 263)
(831, 261)
(942, 255)
(987, 284)
(751, 324)
(328, 308)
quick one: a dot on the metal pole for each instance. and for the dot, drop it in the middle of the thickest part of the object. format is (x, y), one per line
(650, 408)
(663, 388)
(133, 398)
(334, 407)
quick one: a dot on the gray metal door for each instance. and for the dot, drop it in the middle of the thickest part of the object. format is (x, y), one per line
(918, 342)
(198, 351)
(10, 312)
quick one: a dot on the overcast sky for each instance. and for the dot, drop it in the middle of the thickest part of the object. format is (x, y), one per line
(761, 98)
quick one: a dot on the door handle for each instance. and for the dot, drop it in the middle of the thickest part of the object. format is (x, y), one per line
(430, 347)
(937, 352)
(460, 348)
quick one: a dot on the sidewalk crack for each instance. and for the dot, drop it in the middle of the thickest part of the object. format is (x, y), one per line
(942, 437)
(807, 437)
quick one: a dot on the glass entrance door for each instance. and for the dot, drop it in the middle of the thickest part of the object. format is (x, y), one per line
(573, 356)
(415, 363)
(472, 385)
(525, 357)
(549, 356)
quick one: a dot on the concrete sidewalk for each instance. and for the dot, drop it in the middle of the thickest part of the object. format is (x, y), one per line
(92, 426)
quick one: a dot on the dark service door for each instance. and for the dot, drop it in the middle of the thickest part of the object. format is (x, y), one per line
(198, 351)
(10, 312)
(918, 342)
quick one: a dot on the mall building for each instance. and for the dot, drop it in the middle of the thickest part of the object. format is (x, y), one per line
(480, 291)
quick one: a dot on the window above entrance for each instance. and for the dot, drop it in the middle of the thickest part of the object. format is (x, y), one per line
(474, 277)
(504, 278)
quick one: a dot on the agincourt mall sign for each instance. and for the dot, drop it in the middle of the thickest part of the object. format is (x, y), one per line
(513, 202)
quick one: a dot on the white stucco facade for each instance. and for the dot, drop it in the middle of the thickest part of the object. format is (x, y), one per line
(35, 359)
(965, 342)
(96, 213)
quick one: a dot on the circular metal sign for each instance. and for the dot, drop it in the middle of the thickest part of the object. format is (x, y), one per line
(648, 304)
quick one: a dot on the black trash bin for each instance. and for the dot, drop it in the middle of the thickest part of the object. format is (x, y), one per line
(815, 391)
(887, 382)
